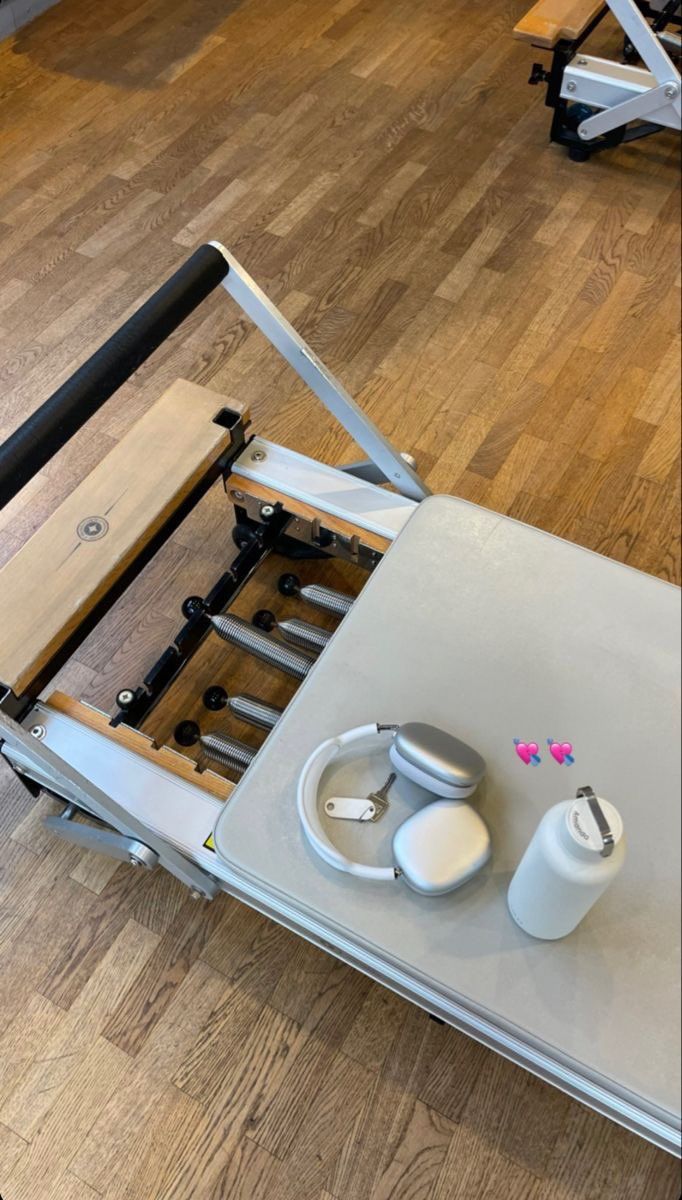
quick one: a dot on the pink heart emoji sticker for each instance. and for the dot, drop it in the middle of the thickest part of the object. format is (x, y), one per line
(557, 752)
(525, 752)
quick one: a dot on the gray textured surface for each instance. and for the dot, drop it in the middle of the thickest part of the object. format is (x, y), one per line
(495, 630)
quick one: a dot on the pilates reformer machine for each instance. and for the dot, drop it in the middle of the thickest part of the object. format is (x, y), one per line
(455, 616)
(597, 102)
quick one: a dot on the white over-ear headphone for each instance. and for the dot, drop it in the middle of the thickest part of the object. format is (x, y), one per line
(436, 849)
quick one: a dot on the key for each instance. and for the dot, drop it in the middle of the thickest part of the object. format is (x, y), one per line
(380, 799)
(347, 808)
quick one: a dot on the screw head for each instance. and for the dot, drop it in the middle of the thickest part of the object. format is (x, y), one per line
(38, 731)
(125, 698)
(134, 862)
(236, 495)
(671, 91)
(583, 133)
(570, 86)
(582, 62)
(267, 511)
(258, 456)
(195, 894)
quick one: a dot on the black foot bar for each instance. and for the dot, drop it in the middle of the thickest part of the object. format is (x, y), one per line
(61, 416)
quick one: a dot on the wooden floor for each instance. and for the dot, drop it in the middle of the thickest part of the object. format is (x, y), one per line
(383, 170)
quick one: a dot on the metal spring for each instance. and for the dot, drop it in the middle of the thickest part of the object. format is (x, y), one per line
(326, 598)
(227, 751)
(254, 711)
(268, 650)
(302, 633)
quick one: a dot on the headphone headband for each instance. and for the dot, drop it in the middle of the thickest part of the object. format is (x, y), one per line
(308, 787)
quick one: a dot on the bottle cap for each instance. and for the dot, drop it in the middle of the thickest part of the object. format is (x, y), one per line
(587, 831)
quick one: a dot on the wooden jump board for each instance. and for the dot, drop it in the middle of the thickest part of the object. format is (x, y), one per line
(551, 21)
(57, 578)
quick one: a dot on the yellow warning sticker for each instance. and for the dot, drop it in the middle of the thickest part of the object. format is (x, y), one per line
(209, 844)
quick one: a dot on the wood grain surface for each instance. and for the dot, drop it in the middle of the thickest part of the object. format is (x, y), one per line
(103, 525)
(548, 21)
(509, 317)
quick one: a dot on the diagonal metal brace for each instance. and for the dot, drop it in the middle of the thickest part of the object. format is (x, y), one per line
(636, 108)
(391, 465)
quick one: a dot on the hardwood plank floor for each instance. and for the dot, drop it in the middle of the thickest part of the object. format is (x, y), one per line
(512, 318)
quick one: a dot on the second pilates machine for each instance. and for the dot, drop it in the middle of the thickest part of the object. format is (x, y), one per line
(597, 102)
(111, 526)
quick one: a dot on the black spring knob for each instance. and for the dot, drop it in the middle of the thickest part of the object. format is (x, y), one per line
(187, 733)
(215, 698)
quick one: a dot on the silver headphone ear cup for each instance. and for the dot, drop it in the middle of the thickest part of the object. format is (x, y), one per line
(427, 781)
(441, 846)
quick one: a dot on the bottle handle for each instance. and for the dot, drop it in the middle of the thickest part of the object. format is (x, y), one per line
(608, 841)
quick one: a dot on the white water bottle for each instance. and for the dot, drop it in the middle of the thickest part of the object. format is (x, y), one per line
(575, 852)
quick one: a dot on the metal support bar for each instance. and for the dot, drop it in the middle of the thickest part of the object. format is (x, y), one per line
(30, 753)
(326, 489)
(626, 93)
(102, 841)
(643, 38)
(648, 104)
(247, 294)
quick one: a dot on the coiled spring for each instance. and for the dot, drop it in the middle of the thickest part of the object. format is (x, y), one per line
(254, 711)
(227, 751)
(302, 633)
(326, 598)
(268, 650)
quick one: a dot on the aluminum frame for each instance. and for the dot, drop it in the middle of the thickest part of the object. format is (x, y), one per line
(31, 754)
(183, 815)
(328, 489)
(626, 93)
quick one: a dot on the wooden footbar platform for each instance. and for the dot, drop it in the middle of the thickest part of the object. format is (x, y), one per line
(551, 21)
(53, 583)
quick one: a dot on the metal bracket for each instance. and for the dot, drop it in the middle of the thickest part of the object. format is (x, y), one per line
(103, 841)
(647, 104)
(315, 534)
(659, 101)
